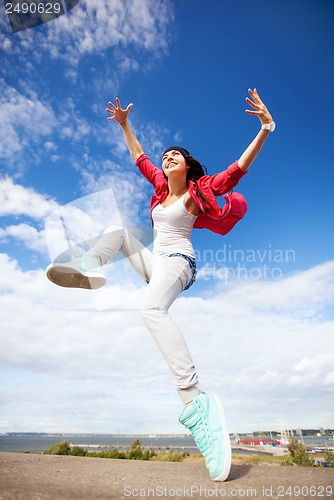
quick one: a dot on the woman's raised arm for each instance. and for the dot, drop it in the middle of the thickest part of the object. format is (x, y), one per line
(259, 110)
(121, 116)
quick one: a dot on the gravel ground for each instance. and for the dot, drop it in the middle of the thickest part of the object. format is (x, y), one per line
(47, 477)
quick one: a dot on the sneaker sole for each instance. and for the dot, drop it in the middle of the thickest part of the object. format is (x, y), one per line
(68, 277)
(226, 444)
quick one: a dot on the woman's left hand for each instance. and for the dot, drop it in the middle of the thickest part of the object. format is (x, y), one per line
(259, 109)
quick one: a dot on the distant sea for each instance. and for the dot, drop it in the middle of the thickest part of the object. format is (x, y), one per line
(38, 443)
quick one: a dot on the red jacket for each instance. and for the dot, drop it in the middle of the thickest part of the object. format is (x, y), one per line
(212, 217)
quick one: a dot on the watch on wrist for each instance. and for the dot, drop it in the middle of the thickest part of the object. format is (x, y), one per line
(269, 126)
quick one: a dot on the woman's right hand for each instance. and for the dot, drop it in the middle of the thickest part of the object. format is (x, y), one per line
(259, 109)
(118, 114)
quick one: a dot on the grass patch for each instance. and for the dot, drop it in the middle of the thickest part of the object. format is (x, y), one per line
(241, 459)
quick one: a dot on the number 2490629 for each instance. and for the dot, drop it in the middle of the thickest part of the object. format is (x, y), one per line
(33, 8)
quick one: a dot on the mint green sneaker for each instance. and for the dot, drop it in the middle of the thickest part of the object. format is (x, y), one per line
(205, 419)
(81, 272)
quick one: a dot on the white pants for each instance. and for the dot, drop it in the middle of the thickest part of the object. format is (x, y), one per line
(167, 277)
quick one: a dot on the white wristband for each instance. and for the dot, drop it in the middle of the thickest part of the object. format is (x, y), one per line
(269, 126)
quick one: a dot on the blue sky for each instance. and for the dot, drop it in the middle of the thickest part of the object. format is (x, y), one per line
(262, 337)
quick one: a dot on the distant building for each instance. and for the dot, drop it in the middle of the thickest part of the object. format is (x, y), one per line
(251, 441)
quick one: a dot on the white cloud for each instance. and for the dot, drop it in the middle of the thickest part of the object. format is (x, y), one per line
(263, 364)
(28, 235)
(329, 378)
(310, 363)
(95, 26)
(300, 294)
(305, 380)
(33, 127)
(312, 369)
(20, 200)
(50, 146)
(26, 121)
(71, 125)
(129, 191)
(72, 228)
(271, 379)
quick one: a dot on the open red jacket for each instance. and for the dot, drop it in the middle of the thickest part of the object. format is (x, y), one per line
(212, 217)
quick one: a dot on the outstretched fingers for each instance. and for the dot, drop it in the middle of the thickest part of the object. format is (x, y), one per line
(116, 111)
(254, 94)
(129, 107)
(111, 111)
(255, 102)
(251, 112)
(254, 111)
(259, 108)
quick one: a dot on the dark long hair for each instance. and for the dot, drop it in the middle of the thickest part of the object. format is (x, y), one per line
(196, 170)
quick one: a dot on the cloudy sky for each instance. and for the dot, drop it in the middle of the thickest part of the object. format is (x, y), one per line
(259, 320)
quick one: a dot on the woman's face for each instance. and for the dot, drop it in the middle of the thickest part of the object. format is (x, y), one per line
(173, 161)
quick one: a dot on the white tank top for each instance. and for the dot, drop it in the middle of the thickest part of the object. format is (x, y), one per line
(172, 226)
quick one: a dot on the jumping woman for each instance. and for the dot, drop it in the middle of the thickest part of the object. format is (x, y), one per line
(184, 198)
